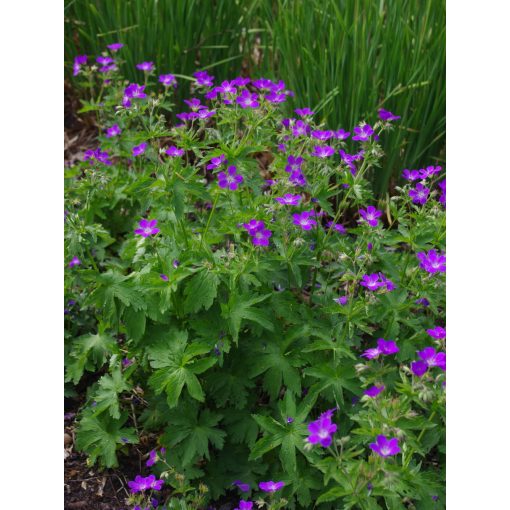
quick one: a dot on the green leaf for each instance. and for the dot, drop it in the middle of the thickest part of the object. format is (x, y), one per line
(107, 397)
(200, 291)
(135, 323)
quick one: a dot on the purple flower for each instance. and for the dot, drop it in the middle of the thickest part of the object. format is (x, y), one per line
(342, 300)
(322, 135)
(320, 151)
(419, 368)
(373, 391)
(231, 179)
(289, 199)
(75, 261)
(147, 228)
(422, 301)
(141, 484)
(153, 457)
(247, 100)
(164, 277)
(167, 80)
(240, 81)
(204, 113)
(387, 115)
(107, 69)
(115, 46)
(98, 155)
(385, 446)
(174, 152)
(411, 175)
(419, 194)
(127, 362)
(300, 128)
(244, 487)
(433, 359)
(244, 505)
(263, 84)
(342, 134)
(438, 333)
(384, 347)
(432, 261)
(133, 90)
(363, 133)
(261, 237)
(216, 162)
(138, 150)
(293, 164)
(271, 486)
(79, 60)
(303, 112)
(371, 281)
(304, 220)
(253, 226)
(297, 178)
(176, 264)
(145, 66)
(104, 61)
(274, 97)
(113, 131)
(385, 281)
(226, 87)
(442, 186)
(369, 248)
(194, 104)
(370, 215)
(425, 173)
(321, 431)
(290, 419)
(337, 227)
(203, 79)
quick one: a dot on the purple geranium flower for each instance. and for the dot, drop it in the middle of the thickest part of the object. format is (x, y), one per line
(419, 368)
(75, 261)
(138, 150)
(300, 128)
(304, 220)
(420, 194)
(253, 226)
(141, 484)
(274, 97)
(373, 391)
(203, 113)
(147, 228)
(438, 332)
(247, 100)
(371, 281)
(145, 66)
(226, 87)
(271, 486)
(174, 152)
(289, 199)
(387, 115)
(231, 179)
(153, 457)
(303, 112)
(104, 61)
(168, 80)
(261, 237)
(244, 487)
(370, 215)
(385, 281)
(322, 135)
(341, 134)
(244, 505)
(433, 359)
(429, 171)
(384, 347)
(363, 133)
(195, 104)
(411, 175)
(337, 227)
(297, 178)
(321, 431)
(385, 446)
(164, 277)
(113, 131)
(293, 164)
(240, 81)
(442, 187)
(320, 151)
(216, 162)
(115, 46)
(342, 300)
(263, 84)
(203, 79)
(432, 261)
(79, 60)
(422, 301)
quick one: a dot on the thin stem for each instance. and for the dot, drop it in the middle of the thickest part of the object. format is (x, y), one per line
(210, 216)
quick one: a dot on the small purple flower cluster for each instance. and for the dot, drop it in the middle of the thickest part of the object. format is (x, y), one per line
(376, 281)
(259, 233)
(97, 155)
(419, 194)
(384, 348)
(432, 261)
